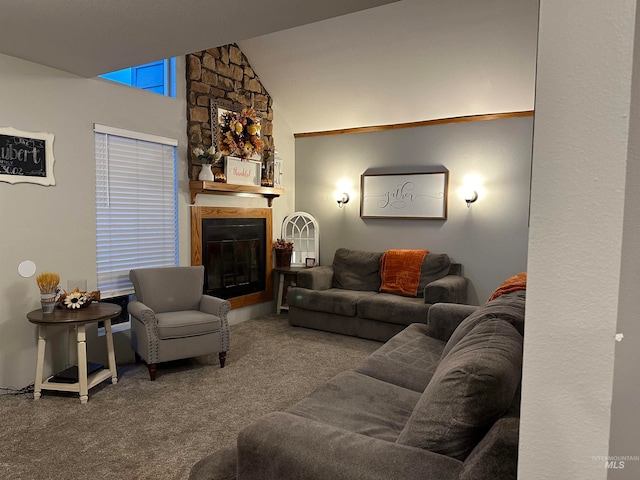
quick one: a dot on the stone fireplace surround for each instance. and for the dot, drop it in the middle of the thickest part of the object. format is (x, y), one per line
(223, 76)
(198, 213)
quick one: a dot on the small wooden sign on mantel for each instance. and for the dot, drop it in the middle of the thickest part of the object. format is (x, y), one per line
(242, 172)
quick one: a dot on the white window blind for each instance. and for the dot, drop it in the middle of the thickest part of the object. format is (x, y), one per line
(136, 206)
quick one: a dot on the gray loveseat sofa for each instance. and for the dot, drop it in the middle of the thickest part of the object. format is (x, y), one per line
(344, 297)
(438, 401)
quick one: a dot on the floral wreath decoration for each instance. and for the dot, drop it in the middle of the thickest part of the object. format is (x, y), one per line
(240, 133)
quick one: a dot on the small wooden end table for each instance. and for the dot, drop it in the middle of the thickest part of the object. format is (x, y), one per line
(78, 319)
(282, 296)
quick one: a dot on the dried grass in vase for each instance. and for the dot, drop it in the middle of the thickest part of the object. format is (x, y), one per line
(48, 282)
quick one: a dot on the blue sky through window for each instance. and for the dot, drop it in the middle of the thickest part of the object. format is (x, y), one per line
(158, 77)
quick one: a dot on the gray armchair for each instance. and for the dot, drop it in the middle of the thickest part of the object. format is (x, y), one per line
(171, 319)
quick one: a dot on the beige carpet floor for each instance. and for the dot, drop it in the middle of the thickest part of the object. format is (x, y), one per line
(140, 429)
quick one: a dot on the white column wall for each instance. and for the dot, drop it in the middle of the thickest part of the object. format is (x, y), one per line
(580, 146)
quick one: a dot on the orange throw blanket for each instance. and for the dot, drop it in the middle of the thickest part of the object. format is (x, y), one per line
(400, 271)
(511, 284)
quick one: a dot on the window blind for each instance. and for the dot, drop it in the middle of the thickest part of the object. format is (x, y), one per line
(136, 206)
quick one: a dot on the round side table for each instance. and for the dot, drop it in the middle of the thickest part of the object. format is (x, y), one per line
(281, 303)
(79, 319)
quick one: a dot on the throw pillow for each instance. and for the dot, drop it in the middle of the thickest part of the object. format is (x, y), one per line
(356, 270)
(471, 388)
(400, 271)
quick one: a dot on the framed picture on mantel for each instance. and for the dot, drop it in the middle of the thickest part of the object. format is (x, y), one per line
(407, 195)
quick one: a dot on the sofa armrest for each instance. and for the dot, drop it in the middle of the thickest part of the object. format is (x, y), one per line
(444, 318)
(317, 278)
(280, 445)
(449, 289)
(141, 312)
(496, 456)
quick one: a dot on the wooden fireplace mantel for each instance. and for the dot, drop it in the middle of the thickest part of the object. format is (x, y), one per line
(217, 188)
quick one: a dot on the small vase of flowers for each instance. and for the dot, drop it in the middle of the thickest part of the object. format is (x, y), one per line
(207, 157)
(48, 285)
(283, 250)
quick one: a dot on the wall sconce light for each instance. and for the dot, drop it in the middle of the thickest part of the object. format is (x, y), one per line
(471, 189)
(341, 198)
(470, 197)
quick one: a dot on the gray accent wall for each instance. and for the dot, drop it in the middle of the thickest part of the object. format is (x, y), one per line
(489, 238)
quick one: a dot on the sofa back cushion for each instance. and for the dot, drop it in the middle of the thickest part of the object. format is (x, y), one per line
(509, 307)
(471, 388)
(434, 267)
(356, 270)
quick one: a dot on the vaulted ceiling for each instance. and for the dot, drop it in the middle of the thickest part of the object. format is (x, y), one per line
(407, 61)
(328, 65)
(93, 37)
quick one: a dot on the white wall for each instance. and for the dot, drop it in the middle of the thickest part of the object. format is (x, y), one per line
(55, 226)
(625, 421)
(576, 297)
(406, 61)
(489, 239)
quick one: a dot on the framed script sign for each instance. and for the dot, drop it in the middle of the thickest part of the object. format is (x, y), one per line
(404, 195)
(26, 157)
(242, 172)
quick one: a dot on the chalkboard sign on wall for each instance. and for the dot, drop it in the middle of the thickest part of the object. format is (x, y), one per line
(26, 157)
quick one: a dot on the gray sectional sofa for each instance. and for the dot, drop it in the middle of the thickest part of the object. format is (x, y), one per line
(344, 297)
(438, 401)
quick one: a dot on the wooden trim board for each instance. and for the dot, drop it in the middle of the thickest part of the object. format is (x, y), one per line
(423, 123)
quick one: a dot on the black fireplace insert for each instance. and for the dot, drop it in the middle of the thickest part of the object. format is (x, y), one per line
(234, 256)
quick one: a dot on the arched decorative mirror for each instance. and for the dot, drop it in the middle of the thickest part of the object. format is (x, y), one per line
(302, 229)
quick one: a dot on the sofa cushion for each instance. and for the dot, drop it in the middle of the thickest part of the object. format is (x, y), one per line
(356, 270)
(359, 404)
(390, 308)
(509, 307)
(434, 267)
(186, 324)
(472, 387)
(408, 359)
(496, 456)
(334, 300)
